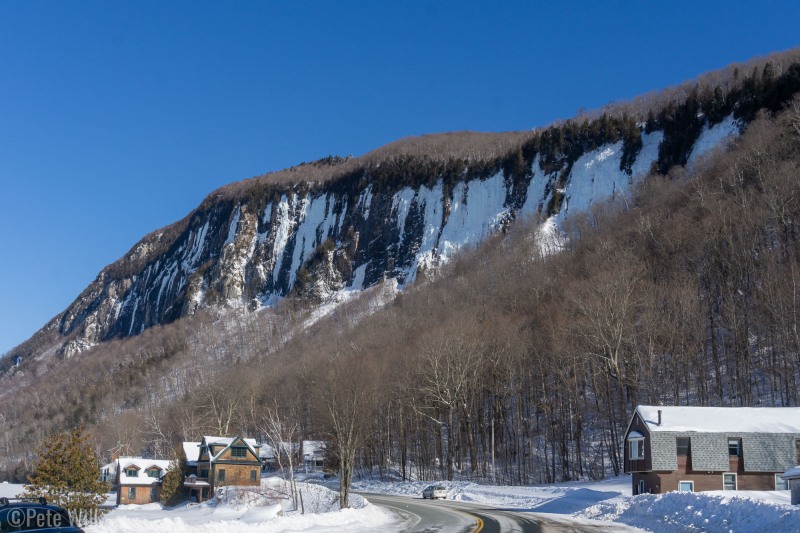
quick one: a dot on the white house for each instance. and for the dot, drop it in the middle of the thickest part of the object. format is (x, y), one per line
(139, 479)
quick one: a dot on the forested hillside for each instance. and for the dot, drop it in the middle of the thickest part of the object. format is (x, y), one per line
(682, 291)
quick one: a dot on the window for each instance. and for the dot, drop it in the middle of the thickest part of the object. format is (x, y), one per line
(153, 494)
(686, 486)
(728, 481)
(797, 451)
(131, 472)
(735, 447)
(238, 451)
(636, 447)
(204, 473)
(153, 472)
(641, 487)
(221, 474)
(253, 475)
(780, 483)
(683, 445)
(131, 493)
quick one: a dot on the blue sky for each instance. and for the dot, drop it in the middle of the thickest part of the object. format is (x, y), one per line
(117, 118)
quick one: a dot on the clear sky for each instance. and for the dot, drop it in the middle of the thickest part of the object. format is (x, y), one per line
(117, 118)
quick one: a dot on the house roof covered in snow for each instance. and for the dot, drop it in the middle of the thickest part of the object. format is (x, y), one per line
(192, 452)
(226, 442)
(792, 473)
(313, 449)
(266, 452)
(731, 420)
(767, 436)
(141, 466)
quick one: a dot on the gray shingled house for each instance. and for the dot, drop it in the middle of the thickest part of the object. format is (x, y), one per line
(711, 448)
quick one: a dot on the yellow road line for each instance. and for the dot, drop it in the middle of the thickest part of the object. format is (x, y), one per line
(478, 519)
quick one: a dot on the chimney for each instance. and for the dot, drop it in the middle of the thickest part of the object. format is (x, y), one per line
(659, 417)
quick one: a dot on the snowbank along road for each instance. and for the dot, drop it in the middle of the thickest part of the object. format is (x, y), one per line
(422, 516)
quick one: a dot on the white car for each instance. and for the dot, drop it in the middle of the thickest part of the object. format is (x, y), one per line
(433, 492)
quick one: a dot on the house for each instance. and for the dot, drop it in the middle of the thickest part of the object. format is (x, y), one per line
(269, 460)
(711, 448)
(139, 479)
(223, 461)
(313, 452)
(108, 473)
(309, 455)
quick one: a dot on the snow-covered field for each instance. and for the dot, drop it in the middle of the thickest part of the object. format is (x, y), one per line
(611, 500)
(9, 490)
(245, 509)
(269, 508)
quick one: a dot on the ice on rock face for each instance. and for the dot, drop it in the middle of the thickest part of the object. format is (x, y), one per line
(475, 211)
(256, 256)
(401, 204)
(595, 176)
(233, 227)
(712, 137)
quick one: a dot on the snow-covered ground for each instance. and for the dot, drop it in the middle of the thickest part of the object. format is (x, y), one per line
(611, 500)
(10, 490)
(244, 509)
(715, 511)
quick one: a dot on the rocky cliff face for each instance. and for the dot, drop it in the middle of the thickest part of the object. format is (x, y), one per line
(264, 243)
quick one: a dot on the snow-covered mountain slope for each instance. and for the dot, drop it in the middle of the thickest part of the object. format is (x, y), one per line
(311, 239)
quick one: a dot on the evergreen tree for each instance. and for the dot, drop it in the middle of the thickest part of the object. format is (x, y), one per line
(768, 73)
(515, 165)
(172, 482)
(68, 474)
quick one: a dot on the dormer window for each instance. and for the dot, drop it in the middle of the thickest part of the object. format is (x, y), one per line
(132, 472)
(734, 447)
(635, 446)
(154, 472)
(684, 446)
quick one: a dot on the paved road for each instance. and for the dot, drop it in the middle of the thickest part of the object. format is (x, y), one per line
(424, 516)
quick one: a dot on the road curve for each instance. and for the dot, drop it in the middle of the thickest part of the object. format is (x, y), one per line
(418, 516)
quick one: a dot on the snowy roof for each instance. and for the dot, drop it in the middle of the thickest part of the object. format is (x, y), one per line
(792, 473)
(266, 452)
(721, 419)
(192, 451)
(192, 481)
(142, 465)
(313, 448)
(226, 442)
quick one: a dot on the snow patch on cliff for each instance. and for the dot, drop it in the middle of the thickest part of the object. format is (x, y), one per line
(535, 198)
(647, 155)
(401, 204)
(595, 176)
(234, 225)
(477, 209)
(712, 137)
(431, 202)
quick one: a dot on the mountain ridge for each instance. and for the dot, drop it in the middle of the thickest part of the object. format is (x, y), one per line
(401, 178)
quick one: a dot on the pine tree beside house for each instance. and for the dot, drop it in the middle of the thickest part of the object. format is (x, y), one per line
(67, 474)
(172, 490)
